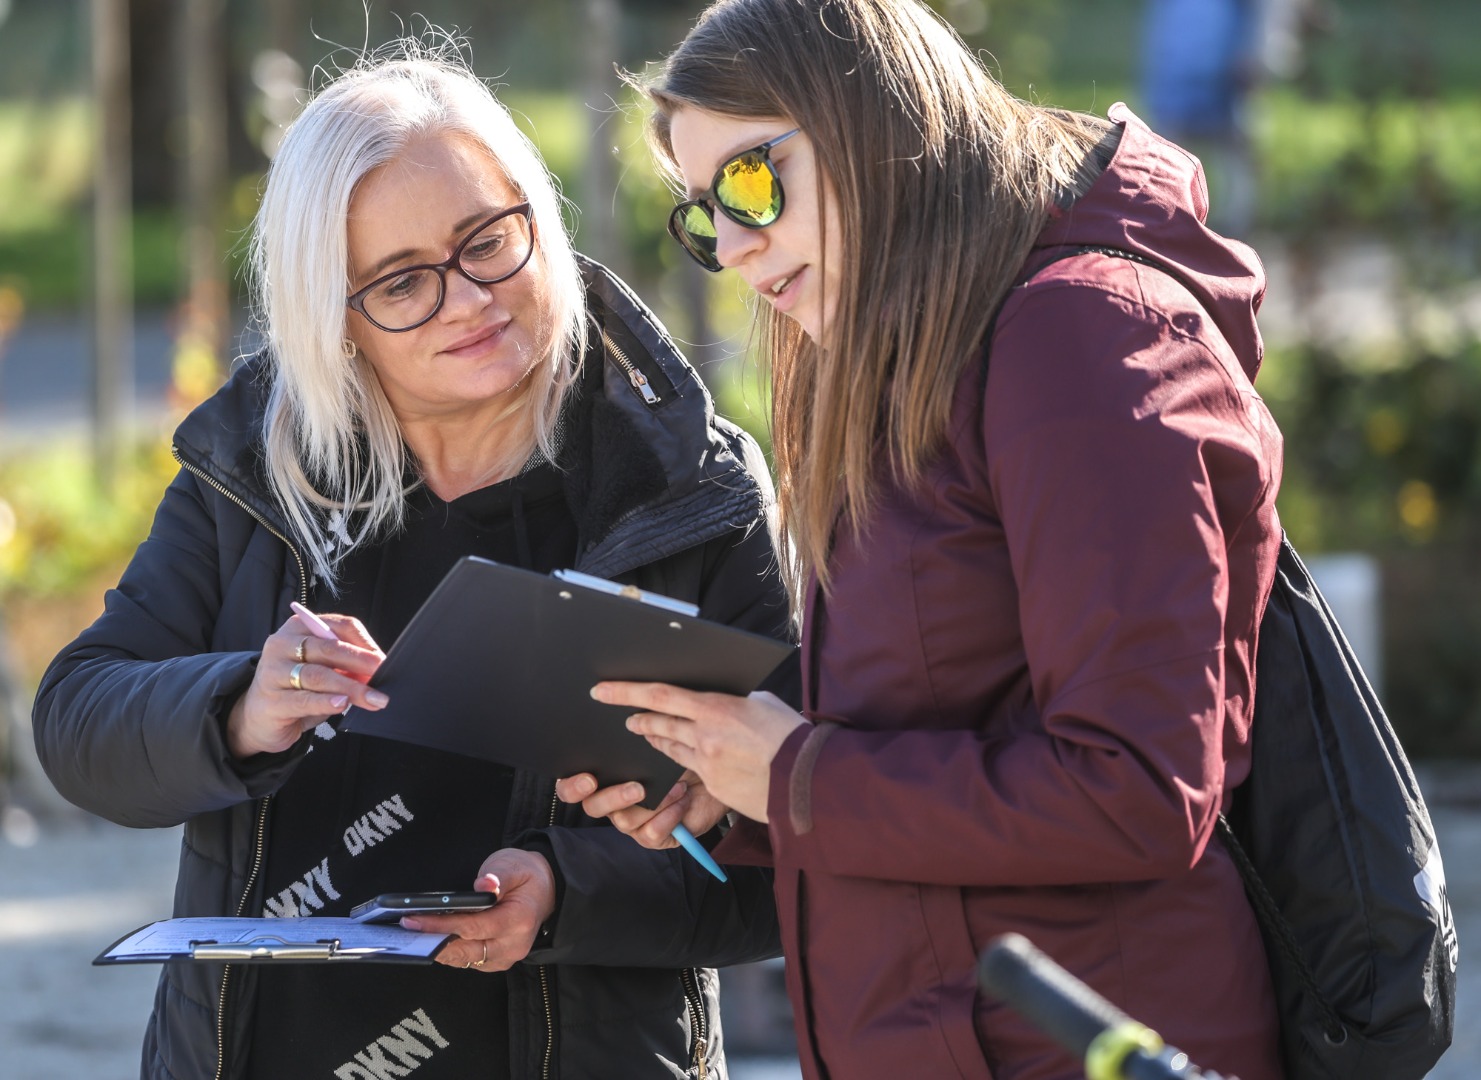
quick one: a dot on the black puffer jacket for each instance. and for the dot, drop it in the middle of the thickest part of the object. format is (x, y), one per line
(129, 718)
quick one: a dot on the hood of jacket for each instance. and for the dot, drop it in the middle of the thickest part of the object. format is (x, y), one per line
(1152, 200)
(650, 469)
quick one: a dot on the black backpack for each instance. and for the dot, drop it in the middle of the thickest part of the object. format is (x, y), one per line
(1339, 858)
(1335, 846)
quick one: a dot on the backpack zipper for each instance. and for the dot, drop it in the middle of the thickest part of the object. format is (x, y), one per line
(637, 378)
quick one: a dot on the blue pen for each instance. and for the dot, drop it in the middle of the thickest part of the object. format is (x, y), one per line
(694, 847)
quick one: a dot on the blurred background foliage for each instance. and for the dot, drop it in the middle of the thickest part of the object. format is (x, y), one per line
(1371, 145)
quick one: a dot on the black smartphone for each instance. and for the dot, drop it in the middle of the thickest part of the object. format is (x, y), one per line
(388, 907)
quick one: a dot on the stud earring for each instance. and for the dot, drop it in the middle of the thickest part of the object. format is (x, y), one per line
(348, 347)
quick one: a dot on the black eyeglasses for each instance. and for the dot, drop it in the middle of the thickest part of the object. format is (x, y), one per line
(494, 251)
(746, 189)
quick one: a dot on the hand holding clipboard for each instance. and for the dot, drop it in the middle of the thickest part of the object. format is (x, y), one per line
(499, 662)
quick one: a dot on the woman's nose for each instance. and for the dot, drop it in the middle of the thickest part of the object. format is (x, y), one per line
(461, 294)
(734, 244)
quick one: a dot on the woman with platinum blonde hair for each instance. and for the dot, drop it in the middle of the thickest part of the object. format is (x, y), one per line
(443, 376)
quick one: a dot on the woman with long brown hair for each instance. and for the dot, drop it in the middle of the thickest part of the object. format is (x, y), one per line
(1030, 489)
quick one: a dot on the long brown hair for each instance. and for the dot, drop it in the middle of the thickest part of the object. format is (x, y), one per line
(942, 181)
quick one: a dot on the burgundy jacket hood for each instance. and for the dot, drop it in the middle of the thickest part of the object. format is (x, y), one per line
(1153, 201)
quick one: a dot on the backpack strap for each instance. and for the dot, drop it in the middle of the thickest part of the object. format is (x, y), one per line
(1267, 911)
(1278, 929)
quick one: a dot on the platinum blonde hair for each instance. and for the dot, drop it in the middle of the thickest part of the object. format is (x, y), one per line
(333, 445)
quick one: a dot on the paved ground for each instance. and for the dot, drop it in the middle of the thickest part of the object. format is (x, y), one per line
(72, 885)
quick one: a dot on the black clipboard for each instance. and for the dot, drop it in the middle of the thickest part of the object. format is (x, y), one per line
(499, 662)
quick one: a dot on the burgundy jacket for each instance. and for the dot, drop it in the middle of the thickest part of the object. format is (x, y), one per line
(1031, 685)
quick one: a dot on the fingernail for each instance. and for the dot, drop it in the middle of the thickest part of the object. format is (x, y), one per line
(378, 699)
(632, 723)
(408, 923)
(339, 701)
(596, 692)
(493, 882)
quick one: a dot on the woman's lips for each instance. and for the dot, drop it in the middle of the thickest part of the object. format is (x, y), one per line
(479, 343)
(787, 296)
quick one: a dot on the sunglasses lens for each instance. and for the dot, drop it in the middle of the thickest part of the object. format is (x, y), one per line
(693, 227)
(749, 190)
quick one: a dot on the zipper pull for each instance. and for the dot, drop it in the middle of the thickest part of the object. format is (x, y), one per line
(699, 1059)
(640, 382)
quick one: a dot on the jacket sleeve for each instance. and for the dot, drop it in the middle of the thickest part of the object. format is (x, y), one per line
(622, 904)
(1127, 457)
(129, 718)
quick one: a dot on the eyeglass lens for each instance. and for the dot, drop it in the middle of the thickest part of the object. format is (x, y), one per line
(747, 190)
(695, 230)
(497, 251)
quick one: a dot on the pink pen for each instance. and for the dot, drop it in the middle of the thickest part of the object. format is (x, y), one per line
(317, 626)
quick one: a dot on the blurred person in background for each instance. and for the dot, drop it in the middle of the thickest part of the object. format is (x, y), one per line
(1032, 494)
(1200, 62)
(444, 376)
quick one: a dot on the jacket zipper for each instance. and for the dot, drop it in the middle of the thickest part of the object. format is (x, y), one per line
(694, 1002)
(259, 834)
(303, 577)
(637, 378)
(257, 844)
(544, 978)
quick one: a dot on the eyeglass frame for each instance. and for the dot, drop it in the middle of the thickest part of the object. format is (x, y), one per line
(707, 200)
(356, 300)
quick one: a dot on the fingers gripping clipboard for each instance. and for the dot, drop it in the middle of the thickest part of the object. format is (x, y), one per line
(499, 663)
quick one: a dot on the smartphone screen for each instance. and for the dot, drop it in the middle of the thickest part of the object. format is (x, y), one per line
(388, 907)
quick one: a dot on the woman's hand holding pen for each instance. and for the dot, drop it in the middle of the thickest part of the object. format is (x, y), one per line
(301, 680)
(727, 741)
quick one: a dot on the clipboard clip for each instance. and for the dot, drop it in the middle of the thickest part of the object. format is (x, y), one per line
(631, 592)
(271, 947)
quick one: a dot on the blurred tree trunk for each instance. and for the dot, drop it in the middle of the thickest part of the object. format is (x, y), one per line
(112, 262)
(285, 26)
(200, 349)
(156, 72)
(599, 238)
(151, 75)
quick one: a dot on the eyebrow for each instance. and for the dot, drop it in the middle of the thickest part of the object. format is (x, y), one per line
(459, 228)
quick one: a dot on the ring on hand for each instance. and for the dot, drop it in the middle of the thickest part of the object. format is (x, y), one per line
(484, 959)
(301, 654)
(295, 677)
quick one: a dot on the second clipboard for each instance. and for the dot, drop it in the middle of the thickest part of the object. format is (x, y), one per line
(499, 663)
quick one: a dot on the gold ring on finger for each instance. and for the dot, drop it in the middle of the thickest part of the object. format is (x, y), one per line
(484, 959)
(301, 653)
(295, 677)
